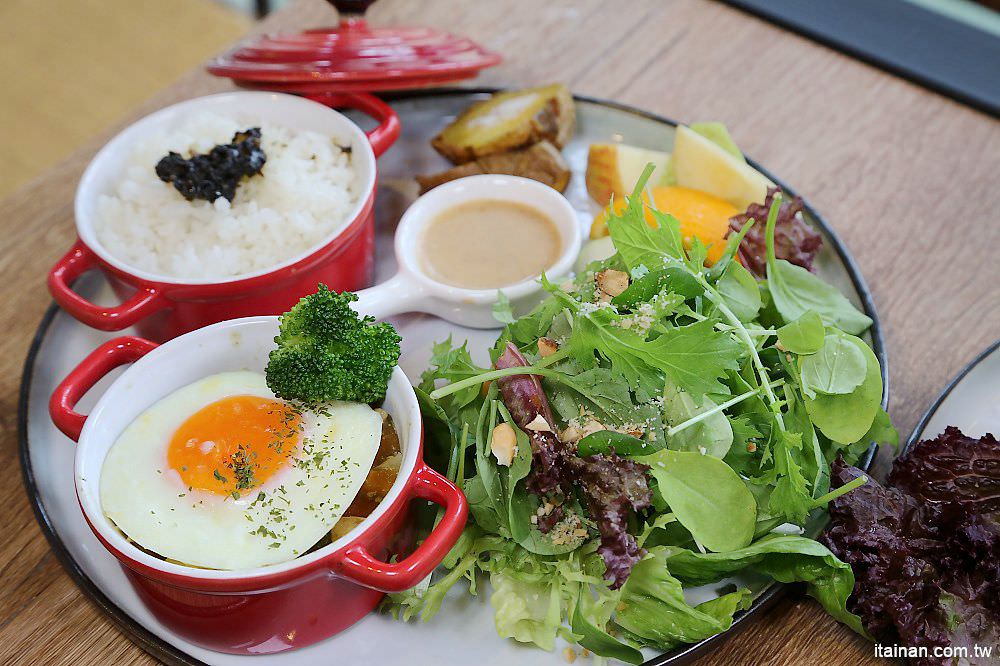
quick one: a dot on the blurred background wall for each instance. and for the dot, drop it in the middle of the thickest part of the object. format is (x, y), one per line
(69, 68)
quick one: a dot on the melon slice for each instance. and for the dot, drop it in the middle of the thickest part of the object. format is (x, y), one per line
(700, 164)
(614, 168)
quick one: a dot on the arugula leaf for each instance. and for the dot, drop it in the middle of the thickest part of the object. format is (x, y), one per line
(804, 335)
(671, 279)
(637, 243)
(533, 325)
(838, 367)
(502, 311)
(695, 357)
(597, 390)
(791, 496)
(812, 461)
(484, 490)
(425, 602)
(452, 364)
(701, 488)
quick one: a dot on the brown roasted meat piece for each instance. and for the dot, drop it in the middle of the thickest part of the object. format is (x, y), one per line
(542, 162)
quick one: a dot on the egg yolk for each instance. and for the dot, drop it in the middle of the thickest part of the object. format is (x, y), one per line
(235, 444)
(700, 215)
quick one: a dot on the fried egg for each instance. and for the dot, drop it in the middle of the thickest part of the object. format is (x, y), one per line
(220, 474)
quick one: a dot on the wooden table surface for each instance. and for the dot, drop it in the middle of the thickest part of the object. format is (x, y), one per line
(910, 180)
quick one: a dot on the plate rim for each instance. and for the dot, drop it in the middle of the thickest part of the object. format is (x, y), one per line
(170, 654)
(918, 430)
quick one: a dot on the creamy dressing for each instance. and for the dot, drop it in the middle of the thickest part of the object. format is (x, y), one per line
(489, 243)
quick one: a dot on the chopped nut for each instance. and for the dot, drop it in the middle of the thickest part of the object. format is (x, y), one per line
(751, 447)
(504, 444)
(592, 426)
(539, 424)
(569, 654)
(612, 282)
(571, 434)
(585, 652)
(547, 347)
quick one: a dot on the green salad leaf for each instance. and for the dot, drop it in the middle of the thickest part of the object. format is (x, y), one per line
(596, 639)
(838, 367)
(846, 417)
(676, 433)
(528, 612)
(671, 280)
(653, 609)
(699, 489)
(606, 441)
(712, 435)
(739, 288)
(785, 558)
(795, 291)
(804, 335)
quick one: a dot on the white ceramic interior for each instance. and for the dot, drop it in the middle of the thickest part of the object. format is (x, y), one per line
(412, 290)
(238, 344)
(104, 172)
(971, 404)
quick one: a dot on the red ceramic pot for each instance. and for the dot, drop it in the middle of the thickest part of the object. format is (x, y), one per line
(164, 307)
(273, 608)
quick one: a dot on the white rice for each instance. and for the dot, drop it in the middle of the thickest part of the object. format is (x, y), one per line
(305, 192)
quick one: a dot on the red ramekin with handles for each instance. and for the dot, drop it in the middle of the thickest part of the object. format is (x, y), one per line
(162, 307)
(268, 609)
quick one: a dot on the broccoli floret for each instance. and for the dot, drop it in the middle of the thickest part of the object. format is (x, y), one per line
(327, 352)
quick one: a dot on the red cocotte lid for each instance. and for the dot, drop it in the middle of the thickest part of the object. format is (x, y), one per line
(353, 57)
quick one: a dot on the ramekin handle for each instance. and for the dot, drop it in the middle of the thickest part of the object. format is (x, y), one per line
(400, 293)
(388, 128)
(357, 563)
(75, 263)
(101, 361)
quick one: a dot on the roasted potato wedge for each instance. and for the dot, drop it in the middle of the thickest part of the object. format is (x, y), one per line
(507, 121)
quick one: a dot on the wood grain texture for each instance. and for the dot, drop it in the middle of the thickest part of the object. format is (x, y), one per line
(909, 179)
